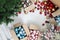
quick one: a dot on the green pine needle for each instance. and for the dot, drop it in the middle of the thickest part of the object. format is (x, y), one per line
(7, 9)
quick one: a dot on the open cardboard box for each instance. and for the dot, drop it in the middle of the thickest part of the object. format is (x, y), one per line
(52, 21)
(34, 27)
(31, 7)
(56, 13)
(57, 2)
(14, 34)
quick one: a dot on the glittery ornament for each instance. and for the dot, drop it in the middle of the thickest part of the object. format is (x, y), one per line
(20, 32)
(34, 34)
(57, 18)
(26, 3)
(50, 15)
(35, 3)
(46, 7)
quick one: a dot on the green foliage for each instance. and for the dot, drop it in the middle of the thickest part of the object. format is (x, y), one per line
(7, 9)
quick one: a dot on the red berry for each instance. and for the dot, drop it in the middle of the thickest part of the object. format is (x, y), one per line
(42, 3)
(40, 12)
(37, 8)
(30, 10)
(35, 3)
(38, 5)
(43, 24)
(24, 11)
(51, 5)
(45, 14)
(19, 12)
(51, 15)
(38, 1)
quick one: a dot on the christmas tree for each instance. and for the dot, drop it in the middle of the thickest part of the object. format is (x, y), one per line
(7, 9)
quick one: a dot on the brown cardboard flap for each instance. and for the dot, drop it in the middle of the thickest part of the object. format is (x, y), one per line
(13, 35)
(56, 13)
(39, 38)
(47, 17)
(24, 38)
(31, 7)
(52, 21)
(17, 24)
(57, 2)
(26, 29)
(33, 1)
(33, 27)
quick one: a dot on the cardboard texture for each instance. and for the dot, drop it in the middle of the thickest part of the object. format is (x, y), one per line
(13, 35)
(52, 21)
(33, 1)
(24, 38)
(56, 13)
(25, 28)
(57, 2)
(16, 25)
(47, 17)
(34, 27)
(39, 38)
(31, 7)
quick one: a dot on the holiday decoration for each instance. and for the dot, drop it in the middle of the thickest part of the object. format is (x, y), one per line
(26, 3)
(56, 2)
(48, 19)
(57, 18)
(7, 9)
(47, 7)
(57, 13)
(20, 32)
(34, 34)
(30, 8)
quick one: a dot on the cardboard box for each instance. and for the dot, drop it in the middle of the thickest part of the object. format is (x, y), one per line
(56, 13)
(31, 7)
(14, 34)
(57, 2)
(33, 1)
(34, 32)
(34, 27)
(52, 21)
